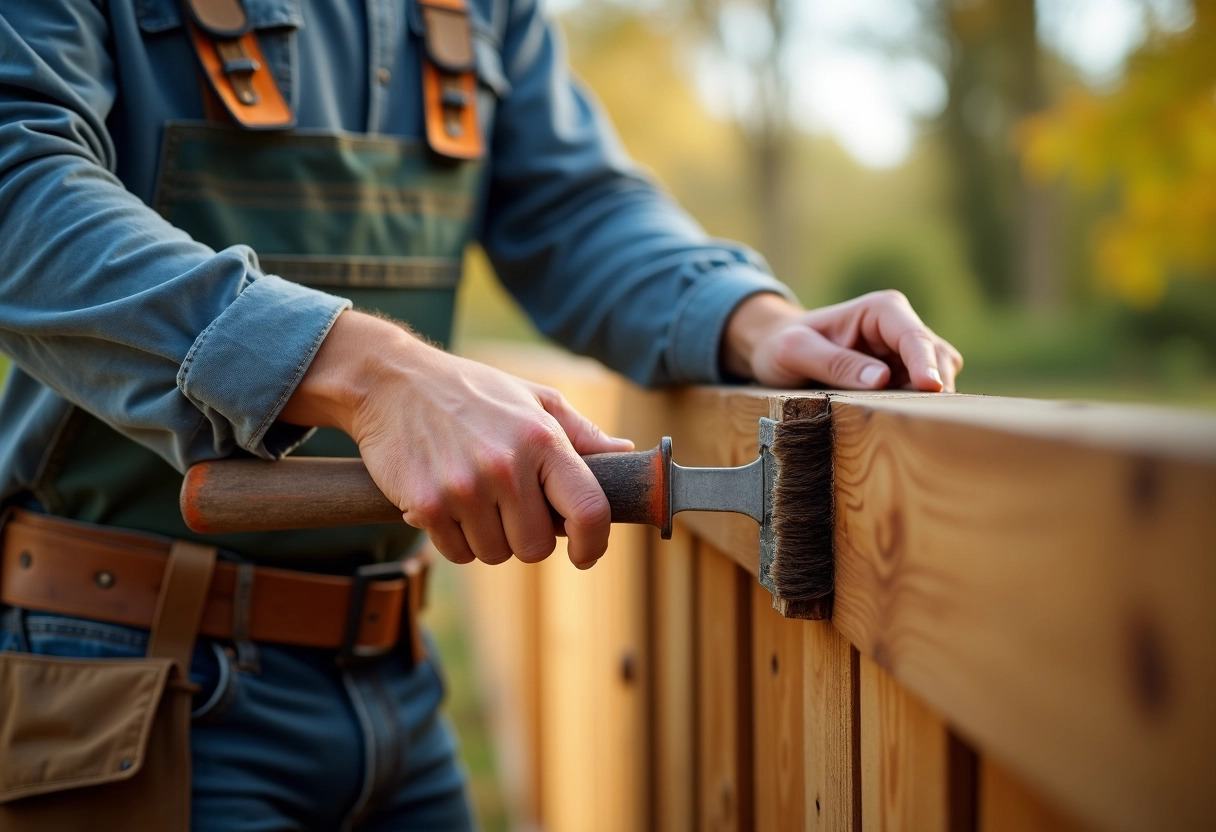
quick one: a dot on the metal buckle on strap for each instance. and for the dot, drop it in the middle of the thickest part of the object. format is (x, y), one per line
(351, 653)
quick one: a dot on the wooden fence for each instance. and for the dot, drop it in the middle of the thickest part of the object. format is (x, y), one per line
(1023, 635)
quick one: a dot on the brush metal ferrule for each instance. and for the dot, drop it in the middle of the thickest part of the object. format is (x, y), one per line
(768, 539)
(719, 489)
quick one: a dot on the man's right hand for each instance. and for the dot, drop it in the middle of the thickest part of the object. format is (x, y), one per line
(471, 455)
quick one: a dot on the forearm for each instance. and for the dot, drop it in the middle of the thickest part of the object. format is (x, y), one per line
(102, 300)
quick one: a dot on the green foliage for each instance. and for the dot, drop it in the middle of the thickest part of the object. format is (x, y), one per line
(1152, 142)
(891, 267)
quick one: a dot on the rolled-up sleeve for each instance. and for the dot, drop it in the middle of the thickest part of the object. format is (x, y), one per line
(189, 351)
(602, 259)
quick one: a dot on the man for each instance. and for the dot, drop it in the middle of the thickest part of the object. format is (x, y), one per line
(178, 284)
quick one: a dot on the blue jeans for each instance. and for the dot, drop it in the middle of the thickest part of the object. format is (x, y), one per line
(300, 744)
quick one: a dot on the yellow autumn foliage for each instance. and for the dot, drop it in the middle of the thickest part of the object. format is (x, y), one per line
(1153, 142)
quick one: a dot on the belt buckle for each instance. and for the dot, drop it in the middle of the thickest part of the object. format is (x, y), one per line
(350, 653)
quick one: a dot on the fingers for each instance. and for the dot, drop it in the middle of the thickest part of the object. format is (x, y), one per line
(950, 363)
(576, 495)
(584, 435)
(918, 351)
(803, 353)
(889, 321)
(448, 538)
(528, 524)
(500, 506)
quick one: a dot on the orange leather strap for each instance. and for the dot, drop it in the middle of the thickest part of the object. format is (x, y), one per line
(234, 66)
(449, 84)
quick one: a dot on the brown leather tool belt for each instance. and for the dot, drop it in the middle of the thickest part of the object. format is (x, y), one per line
(62, 566)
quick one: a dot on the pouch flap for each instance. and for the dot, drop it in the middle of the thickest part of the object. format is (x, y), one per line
(67, 723)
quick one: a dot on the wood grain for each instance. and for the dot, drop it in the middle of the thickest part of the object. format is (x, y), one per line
(778, 705)
(674, 704)
(1054, 597)
(904, 759)
(595, 686)
(830, 738)
(724, 715)
(295, 493)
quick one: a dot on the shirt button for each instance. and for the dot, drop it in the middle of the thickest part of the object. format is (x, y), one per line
(383, 75)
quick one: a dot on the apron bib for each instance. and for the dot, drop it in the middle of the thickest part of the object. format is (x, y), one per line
(375, 219)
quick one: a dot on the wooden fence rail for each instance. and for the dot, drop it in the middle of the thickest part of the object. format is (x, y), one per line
(1023, 635)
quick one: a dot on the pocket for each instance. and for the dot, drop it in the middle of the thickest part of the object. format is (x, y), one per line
(93, 743)
(70, 723)
(63, 636)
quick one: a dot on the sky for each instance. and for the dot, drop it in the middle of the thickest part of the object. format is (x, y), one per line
(847, 81)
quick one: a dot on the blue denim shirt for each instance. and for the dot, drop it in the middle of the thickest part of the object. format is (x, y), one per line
(192, 352)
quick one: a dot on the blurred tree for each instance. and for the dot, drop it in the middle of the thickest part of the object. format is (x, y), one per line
(1152, 144)
(994, 77)
(757, 50)
(749, 41)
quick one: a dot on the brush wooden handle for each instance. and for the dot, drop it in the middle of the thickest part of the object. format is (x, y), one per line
(250, 495)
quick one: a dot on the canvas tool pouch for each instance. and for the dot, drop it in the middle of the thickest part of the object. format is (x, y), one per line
(104, 744)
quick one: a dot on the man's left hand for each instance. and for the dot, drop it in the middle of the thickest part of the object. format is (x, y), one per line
(870, 342)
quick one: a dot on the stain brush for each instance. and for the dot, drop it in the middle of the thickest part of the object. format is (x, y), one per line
(787, 489)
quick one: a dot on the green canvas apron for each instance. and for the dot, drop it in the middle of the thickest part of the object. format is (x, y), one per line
(375, 219)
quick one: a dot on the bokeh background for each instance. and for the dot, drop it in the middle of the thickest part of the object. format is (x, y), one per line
(1038, 178)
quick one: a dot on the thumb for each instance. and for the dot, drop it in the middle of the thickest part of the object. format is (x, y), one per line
(808, 354)
(584, 435)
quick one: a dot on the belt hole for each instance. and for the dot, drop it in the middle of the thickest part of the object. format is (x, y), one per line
(25, 560)
(104, 579)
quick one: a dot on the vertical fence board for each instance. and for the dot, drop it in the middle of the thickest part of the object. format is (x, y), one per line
(503, 605)
(777, 704)
(904, 759)
(1007, 805)
(724, 731)
(830, 729)
(594, 690)
(673, 712)
(592, 639)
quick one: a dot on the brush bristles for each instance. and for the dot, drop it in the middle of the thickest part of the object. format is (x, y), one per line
(803, 567)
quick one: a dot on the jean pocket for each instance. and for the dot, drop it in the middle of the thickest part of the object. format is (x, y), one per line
(65, 636)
